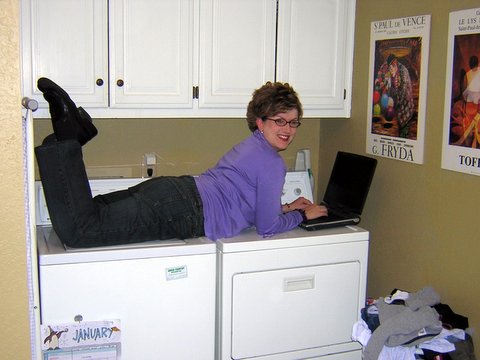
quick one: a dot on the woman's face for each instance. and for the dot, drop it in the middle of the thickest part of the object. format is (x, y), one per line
(279, 136)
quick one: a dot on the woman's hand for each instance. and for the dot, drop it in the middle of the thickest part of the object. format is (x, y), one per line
(314, 211)
(299, 204)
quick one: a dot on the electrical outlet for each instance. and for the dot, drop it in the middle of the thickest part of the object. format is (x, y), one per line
(149, 165)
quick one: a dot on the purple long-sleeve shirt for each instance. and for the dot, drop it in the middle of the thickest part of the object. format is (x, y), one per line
(244, 189)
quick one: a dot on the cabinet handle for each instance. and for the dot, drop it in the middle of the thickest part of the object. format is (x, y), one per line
(195, 92)
(119, 82)
(99, 82)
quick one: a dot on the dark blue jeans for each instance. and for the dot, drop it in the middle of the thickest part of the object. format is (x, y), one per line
(156, 209)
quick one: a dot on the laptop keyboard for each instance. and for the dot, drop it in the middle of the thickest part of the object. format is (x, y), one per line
(334, 216)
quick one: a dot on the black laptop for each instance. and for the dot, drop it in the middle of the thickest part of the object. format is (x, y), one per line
(346, 191)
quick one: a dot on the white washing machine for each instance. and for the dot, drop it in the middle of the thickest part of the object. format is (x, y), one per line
(163, 292)
(292, 296)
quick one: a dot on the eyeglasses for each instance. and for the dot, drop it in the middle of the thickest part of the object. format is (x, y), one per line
(282, 122)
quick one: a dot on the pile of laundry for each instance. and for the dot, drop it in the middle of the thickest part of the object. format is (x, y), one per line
(410, 326)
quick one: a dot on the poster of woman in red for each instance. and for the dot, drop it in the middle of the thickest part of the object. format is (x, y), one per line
(465, 104)
(461, 132)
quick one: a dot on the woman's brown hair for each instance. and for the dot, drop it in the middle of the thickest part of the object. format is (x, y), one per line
(271, 99)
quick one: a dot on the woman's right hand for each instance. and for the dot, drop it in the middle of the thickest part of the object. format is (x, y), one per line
(314, 211)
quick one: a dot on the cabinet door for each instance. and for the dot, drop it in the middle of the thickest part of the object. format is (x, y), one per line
(151, 53)
(66, 41)
(315, 52)
(237, 50)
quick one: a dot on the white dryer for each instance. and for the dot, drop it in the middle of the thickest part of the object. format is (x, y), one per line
(295, 295)
(163, 292)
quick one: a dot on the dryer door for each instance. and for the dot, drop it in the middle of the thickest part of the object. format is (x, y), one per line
(292, 309)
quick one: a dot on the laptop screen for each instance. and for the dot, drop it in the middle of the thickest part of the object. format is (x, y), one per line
(350, 182)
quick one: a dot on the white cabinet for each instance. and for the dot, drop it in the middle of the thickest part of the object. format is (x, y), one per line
(237, 51)
(66, 40)
(188, 58)
(151, 49)
(308, 43)
(109, 55)
(315, 53)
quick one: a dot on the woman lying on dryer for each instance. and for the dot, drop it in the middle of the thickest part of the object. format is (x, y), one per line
(242, 190)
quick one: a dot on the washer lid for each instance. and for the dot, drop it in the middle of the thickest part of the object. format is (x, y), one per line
(249, 240)
(52, 251)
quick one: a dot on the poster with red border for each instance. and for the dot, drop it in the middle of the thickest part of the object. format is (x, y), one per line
(461, 131)
(399, 50)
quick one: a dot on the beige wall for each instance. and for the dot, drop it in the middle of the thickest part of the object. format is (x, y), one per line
(14, 332)
(183, 146)
(423, 219)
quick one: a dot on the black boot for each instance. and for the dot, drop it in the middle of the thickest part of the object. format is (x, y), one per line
(49, 139)
(69, 122)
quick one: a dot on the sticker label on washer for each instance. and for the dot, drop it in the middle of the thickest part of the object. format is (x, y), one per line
(176, 272)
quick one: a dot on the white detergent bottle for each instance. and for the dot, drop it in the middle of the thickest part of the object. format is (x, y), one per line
(303, 163)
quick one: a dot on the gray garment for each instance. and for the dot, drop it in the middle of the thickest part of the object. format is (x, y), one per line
(463, 350)
(425, 297)
(402, 324)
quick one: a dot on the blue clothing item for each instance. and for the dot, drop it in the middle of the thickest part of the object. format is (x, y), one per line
(244, 189)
